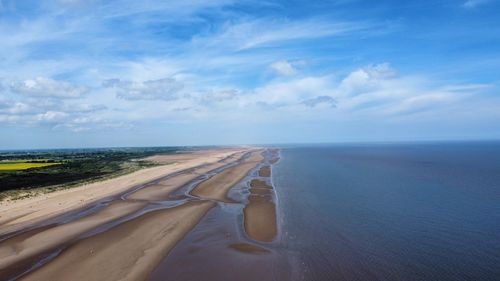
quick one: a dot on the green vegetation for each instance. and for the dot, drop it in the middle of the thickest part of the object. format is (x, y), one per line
(50, 170)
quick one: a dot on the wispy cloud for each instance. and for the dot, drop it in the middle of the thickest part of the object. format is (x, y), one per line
(283, 68)
(259, 33)
(46, 87)
(163, 89)
(474, 3)
(84, 66)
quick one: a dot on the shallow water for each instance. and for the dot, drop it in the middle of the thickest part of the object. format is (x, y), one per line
(208, 251)
(391, 212)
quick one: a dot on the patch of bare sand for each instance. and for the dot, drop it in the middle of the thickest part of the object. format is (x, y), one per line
(161, 190)
(260, 191)
(16, 252)
(218, 186)
(260, 218)
(259, 215)
(265, 171)
(129, 251)
(248, 248)
(188, 155)
(259, 184)
(18, 214)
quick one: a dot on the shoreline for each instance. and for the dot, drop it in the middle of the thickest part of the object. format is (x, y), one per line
(142, 222)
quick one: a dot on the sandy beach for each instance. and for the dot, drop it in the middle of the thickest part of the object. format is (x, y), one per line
(217, 187)
(145, 241)
(20, 213)
(120, 229)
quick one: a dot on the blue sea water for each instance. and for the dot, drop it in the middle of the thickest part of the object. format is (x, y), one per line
(428, 211)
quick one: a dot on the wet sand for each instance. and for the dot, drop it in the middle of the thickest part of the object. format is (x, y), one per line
(248, 248)
(256, 183)
(18, 249)
(218, 186)
(162, 189)
(45, 251)
(126, 252)
(260, 212)
(265, 171)
(260, 218)
(220, 247)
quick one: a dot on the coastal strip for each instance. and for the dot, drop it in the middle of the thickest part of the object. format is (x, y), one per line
(20, 214)
(132, 231)
(27, 251)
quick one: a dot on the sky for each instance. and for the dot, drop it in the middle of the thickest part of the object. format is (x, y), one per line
(76, 73)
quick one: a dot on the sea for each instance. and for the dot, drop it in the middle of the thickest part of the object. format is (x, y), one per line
(412, 211)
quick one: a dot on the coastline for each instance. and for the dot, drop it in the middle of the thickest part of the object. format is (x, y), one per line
(18, 214)
(142, 216)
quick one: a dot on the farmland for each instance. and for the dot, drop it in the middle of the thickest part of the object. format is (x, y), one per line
(24, 165)
(34, 171)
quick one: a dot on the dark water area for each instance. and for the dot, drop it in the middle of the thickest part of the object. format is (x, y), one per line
(391, 212)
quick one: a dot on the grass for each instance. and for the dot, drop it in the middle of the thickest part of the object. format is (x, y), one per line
(18, 166)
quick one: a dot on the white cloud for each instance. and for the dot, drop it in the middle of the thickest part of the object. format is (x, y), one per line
(46, 87)
(366, 78)
(263, 33)
(469, 4)
(219, 95)
(51, 116)
(19, 108)
(283, 68)
(320, 100)
(161, 89)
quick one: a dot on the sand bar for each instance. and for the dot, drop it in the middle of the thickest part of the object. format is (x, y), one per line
(259, 184)
(259, 215)
(265, 171)
(260, 218)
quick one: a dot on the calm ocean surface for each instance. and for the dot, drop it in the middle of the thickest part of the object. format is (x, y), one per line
(391, 212)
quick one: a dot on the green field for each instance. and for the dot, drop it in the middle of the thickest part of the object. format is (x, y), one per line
(22, 165)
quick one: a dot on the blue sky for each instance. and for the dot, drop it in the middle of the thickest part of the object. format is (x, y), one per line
(76, 73)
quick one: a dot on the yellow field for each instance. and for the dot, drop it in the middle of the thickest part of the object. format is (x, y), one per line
(23, 166)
